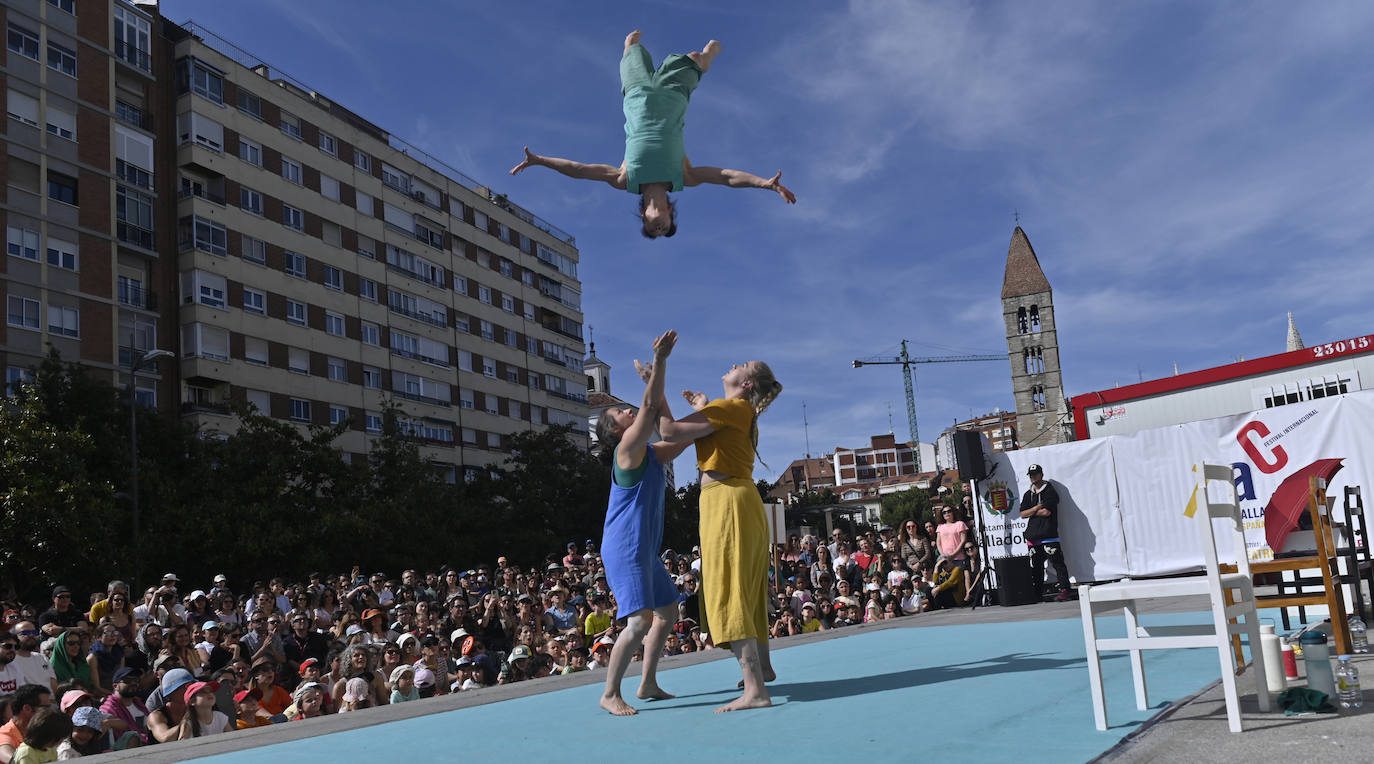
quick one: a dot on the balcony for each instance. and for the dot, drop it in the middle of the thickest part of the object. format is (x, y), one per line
(137, 297)
(199, 192)
(438, 281)
(132, 234)
(131, 55)
(132, 115)
(421, 398)
(133, 175)
(574, 397)
(417, 357)
(206, 407)
(428, 318)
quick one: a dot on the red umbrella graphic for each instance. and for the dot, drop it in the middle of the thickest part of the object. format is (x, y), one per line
(1289, 501)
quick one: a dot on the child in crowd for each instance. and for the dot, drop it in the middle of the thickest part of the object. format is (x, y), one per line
(601, 652)
(425, 683)
(403, 684)
(577, 660)
(357, 695)
(46, 731)
(88, 735)
(246, 707)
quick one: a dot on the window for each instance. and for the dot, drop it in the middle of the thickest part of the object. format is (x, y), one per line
(133, 157)
(22, 312)
(291, 170)
(510, 339)
(515, 411)
(469, 435)
(200, 78)
(250, 200)
(329, 187)
(488, 331)
(1037, 398)
(134, 212)
(22, 107)
(529, 311)
(460, 322)
(23, 42)
(484, 294)
(205, 341)
(193, 127)
(295, 312)
(254, 301)
(250, 104)
(300, 410)
(337, 416)
(61, 124)
(295, 264)
(62, 254)
(333, 278)
(415, 265)
(61, 58)
(337, 369)
(507, 269)
(132, 34)
(206, 235)
(16, 377)
(507, 303)
(298, 360)
(61, 188)
(364, 203)
(22, 242)
(292, 217)
(488, 368)
(328, 144)
(373, 422)
(371, 333)
(372, 377)
(66, 5)
(254, 250)
(465, 398)
(291, 124)
(479, 220)
(255, 351)
(250, 152)
(395, 178)
(464, 360)
(367, 289)
(203, 287)
(1035, 318)
(334, 323)
(493, 440)
(367, 247)
(360, 159)
(460, 284)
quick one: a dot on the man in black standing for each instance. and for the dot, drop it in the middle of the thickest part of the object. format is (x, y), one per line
(1040, 506)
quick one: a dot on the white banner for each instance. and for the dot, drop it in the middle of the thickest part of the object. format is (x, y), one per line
(1122, 497)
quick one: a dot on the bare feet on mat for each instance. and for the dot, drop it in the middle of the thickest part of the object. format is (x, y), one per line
(653, 693)
(745, 701)
(632, 38)
(617, 706)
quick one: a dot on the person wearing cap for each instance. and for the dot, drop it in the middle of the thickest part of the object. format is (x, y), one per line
(1040, 508)
(309, 701)
(357, 695)
(402, 683)
(167, 705)
(263, 677)
(633, 533)
(61, 616)
(88, 736)
(125, 704)
(221, 586)
(303, 642)
(201, 717)
(572, 559)
(517, 667)
(246, 708)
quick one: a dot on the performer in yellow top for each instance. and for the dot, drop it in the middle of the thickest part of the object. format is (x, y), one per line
(734, 529)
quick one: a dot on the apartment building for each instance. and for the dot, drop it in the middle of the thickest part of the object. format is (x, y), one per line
(294, 255)
(883, 458)
(84, 197)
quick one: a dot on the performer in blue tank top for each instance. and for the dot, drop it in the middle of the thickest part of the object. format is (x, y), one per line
(655, 106)
(644, 593)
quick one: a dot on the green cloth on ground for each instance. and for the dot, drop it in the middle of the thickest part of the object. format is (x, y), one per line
(1301, 701)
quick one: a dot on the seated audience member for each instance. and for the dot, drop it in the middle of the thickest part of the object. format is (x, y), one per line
(273, 699)
(167, 705)
(126, 705)
(357, 695)
(402, 682)
(246, 709)
(26, 701)
(809, 621)
(46, 730)
(201, 717)
(88, 736)
(949, 583)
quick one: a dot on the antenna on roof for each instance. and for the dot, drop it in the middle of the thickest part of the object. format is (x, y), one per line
(889, 418)
(1016, 215)
(806, 427)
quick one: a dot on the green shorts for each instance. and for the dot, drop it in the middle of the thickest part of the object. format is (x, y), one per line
(678, 72)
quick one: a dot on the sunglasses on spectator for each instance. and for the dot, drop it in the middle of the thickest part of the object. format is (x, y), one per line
(28, 633)
(63, 597)
(393, 651)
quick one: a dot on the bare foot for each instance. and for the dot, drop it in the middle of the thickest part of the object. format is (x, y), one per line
(712, 48)
(632, 38)
(653, 693)
(617, 706)
(744, 701)
(706, 56)
(768, 676)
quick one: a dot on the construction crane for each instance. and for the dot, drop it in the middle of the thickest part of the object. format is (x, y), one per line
(906, 361)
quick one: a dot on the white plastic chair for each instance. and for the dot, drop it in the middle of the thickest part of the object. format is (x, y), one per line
(1130, 594)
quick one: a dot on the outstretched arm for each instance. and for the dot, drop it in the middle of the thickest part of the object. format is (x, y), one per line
(637, 435)
(721, 176)
(605, 173)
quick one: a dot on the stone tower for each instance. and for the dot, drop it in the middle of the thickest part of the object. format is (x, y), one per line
(1033, 349)
(598, 372)
(1294, 339)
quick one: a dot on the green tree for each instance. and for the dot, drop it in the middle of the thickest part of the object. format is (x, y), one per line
(52, 508)
(822, 498)
(911, 504)
(682, 517)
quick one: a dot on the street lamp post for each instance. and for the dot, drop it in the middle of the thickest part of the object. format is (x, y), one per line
(147, 360)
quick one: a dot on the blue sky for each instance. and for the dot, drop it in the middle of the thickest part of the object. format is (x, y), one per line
(1187, 173)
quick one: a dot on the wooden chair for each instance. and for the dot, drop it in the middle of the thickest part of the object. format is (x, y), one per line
(1230, 596)
(1326, 560)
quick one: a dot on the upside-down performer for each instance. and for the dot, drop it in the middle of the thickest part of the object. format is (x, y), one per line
(734, 529)
(644, 592)
(655, 105)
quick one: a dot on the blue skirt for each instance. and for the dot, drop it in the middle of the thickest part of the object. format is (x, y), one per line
(631, 541)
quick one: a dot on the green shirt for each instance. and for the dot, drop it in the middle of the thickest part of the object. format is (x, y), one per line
(654, 149)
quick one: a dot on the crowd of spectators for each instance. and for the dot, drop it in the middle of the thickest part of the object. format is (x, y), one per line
(123, 668)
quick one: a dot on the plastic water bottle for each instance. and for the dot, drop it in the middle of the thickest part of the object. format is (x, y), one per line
(1318, 663)
(1348, 683)
(1359, 640)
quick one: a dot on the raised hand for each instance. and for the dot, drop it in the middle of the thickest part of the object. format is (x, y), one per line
(663, 344)
(774, 183)
(696, 400)
(532, 159)
(643, 370)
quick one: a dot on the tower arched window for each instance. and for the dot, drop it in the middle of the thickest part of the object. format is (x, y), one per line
(1035, 318)
(1037, 398)
(1022, 326)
